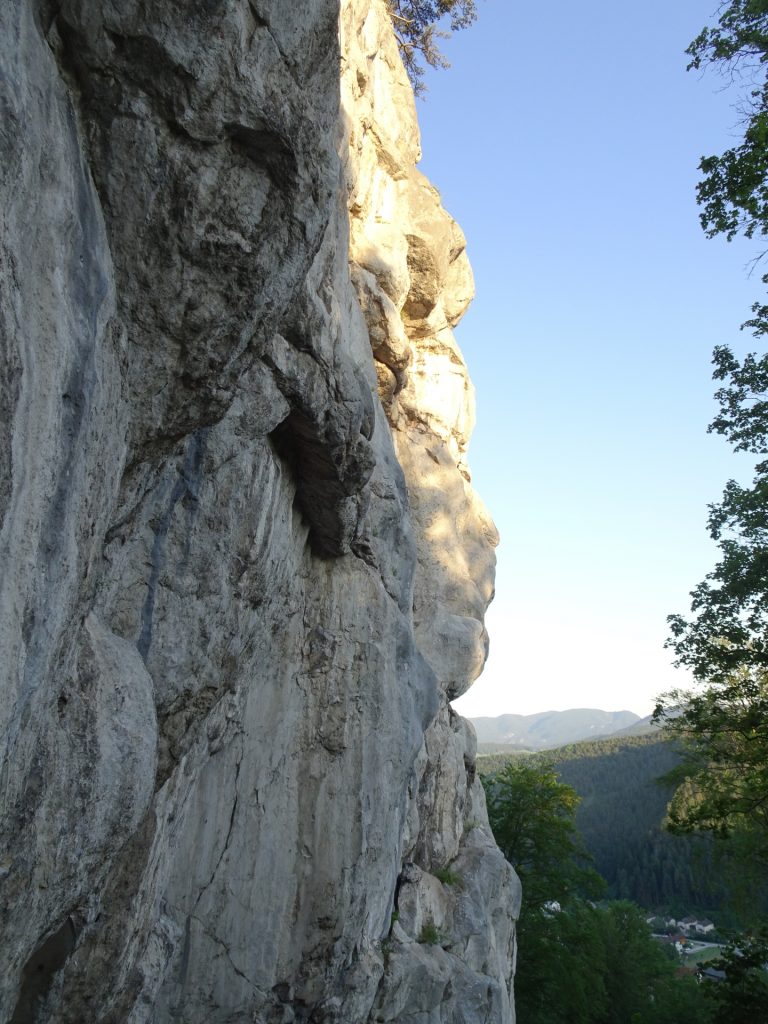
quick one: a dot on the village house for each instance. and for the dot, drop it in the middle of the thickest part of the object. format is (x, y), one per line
(702, 926)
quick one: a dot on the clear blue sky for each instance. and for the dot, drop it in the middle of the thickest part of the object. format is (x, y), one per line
(565, 140)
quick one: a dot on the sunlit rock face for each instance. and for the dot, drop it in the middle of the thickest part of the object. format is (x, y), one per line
(243, 570)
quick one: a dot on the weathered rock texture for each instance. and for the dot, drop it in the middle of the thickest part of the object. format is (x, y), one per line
(243, 570)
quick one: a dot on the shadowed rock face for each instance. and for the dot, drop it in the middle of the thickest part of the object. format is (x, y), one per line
(243, 570)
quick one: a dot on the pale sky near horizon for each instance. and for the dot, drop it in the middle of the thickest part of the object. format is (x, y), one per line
(565, 140)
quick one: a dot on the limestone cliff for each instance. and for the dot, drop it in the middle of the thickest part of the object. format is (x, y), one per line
(243, 570)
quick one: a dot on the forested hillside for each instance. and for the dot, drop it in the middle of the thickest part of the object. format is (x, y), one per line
(620, 819)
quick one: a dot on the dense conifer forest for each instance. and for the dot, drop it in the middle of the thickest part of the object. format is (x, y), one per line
(620, 818)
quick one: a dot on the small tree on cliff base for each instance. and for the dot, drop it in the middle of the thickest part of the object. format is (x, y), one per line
(532, 816)
(416, 30)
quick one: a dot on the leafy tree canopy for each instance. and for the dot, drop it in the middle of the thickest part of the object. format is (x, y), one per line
(725, 766)
(581, 963)
(722, 780)
(729, 627)
(725, 639)
(733, 193)
(532, 817)
(416, 24)
(742, 996)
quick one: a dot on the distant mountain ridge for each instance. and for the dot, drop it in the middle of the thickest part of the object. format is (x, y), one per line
(547, 729)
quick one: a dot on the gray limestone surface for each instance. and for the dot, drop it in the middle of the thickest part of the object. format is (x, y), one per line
(242, 568)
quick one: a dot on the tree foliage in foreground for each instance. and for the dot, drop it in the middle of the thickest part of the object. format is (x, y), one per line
(724, 773)
(722, 782)
(532, 816)
(725, 639)
(742, 996)
(733, 193)
(416, 25)
(729, 625)
(581, 963)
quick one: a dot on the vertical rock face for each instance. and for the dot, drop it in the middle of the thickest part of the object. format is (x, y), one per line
(243, 570)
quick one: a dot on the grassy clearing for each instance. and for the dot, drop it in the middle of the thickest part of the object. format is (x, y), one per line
(702, 956)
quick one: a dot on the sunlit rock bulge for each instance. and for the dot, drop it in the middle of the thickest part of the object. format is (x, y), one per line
(243, 567)
(414, 283)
